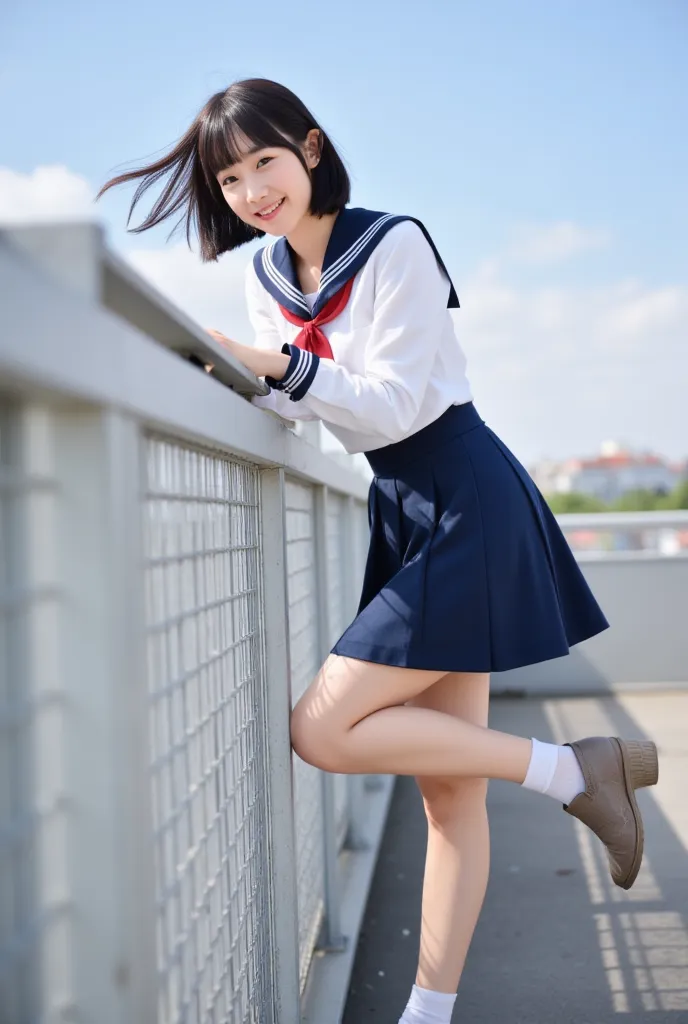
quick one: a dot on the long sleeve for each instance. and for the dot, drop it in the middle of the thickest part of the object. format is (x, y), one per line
(267, 337)
(410, 309)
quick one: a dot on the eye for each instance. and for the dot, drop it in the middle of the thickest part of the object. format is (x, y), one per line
(230, 179)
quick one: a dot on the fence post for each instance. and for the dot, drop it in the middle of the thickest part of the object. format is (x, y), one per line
(277, 700)
(102, 670)
(355, 838)
(331, 938)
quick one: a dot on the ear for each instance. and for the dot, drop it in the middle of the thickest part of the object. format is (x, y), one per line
(313, 148)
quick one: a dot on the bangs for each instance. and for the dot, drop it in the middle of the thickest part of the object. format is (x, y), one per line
(255, 113)
(226, 134)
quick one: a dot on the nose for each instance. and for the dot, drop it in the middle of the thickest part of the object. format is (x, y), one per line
(256, 190)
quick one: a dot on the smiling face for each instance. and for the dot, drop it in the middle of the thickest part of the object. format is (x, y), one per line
(268, 187)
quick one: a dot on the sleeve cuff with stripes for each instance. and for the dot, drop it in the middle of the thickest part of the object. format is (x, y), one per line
(300, 374)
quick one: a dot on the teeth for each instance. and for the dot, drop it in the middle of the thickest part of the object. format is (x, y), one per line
(264, 213)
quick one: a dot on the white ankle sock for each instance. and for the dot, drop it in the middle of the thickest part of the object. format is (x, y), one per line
(428, 1007)
(554, 770)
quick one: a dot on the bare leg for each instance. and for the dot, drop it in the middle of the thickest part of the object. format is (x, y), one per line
(416, 741)
(362, 717)
(353, 718)
(456, 872)
(458, 851)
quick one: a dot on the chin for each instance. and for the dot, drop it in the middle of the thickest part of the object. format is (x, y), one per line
(271, 229)
(283, 225)
(279, 230)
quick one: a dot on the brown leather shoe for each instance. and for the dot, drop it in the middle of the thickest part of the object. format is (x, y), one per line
(613, 769)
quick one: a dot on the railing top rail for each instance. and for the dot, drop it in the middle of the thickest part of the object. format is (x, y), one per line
(624, 520)
(140, 303)
(76, 255)
(58, 340)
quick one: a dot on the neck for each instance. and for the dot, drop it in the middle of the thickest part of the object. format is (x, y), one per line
(309, 241)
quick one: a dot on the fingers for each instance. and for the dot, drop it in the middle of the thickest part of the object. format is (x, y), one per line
(220, 338)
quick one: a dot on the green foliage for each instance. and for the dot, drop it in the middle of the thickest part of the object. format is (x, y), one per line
(633, 501)
(574, 502)
(678, 498)
(638, 500)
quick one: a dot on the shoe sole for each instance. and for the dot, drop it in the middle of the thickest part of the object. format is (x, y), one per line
(641, 768)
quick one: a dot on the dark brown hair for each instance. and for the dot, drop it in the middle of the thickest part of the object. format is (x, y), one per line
(266, 113)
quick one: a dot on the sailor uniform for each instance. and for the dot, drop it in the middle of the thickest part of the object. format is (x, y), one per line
(397, 361)
(467, 568)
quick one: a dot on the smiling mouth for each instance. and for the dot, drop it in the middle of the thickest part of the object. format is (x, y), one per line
(269, 211)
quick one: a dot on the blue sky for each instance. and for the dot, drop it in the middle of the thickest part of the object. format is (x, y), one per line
(493, 122)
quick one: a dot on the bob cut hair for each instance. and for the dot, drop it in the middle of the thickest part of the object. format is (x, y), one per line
(257, 109)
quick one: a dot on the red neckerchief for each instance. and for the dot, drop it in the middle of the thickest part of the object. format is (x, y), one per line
(311, 338)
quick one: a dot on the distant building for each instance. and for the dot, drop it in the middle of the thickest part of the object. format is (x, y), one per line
(615, 471)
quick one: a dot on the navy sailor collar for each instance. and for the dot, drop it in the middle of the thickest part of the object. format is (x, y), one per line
(355, 234)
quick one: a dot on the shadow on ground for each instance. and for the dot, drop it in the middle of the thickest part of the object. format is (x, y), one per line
(556, 941)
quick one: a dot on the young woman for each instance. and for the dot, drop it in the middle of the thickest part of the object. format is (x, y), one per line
(467, 570)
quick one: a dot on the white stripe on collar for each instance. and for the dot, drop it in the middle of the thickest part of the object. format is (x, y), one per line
(280, 280)
(353, 251)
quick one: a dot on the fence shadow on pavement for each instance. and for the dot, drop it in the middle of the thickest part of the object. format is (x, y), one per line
(556, 939)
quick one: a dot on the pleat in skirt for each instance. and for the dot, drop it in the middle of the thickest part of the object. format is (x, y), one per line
(467, 568)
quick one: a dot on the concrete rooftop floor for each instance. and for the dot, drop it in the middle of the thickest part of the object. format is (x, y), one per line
(556, 941)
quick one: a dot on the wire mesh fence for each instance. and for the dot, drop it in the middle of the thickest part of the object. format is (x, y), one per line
(303, 642)
(203, 600)
(161, 850)
(204, 626)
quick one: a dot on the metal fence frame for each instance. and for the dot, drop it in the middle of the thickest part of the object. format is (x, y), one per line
(91, 380)
(85, 394)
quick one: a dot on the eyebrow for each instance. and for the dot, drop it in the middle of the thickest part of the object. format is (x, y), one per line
(249, 152)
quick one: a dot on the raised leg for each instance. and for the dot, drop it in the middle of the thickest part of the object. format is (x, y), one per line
(354, 717)
(358, 716)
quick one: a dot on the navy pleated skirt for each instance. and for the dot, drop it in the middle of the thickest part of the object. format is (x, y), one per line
(467, 569)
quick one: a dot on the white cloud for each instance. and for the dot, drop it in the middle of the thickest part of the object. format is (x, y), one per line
(552, 243)
(211, 293)
(49, 193)
(557, 370)
(639, 313)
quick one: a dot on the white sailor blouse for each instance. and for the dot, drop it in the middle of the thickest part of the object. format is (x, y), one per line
(377, 357)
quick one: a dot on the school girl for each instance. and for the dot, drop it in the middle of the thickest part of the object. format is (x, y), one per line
(467, 570)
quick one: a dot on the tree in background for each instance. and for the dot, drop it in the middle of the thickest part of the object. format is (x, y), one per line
(633, 501)
(574, 501)
(678, 498)
(638, 500)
